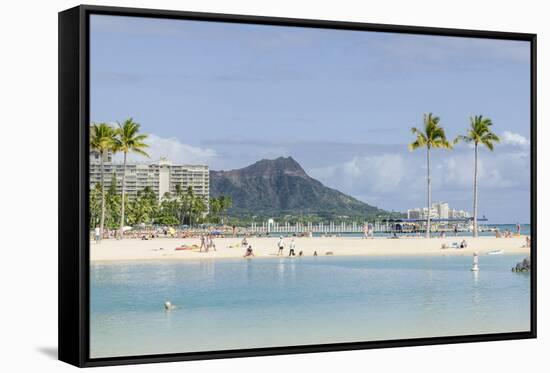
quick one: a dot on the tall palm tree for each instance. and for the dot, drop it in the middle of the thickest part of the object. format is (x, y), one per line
(431, 137)
(188, 201)
(128, 139)
(479, 133)
(225, 203)
(102, 141)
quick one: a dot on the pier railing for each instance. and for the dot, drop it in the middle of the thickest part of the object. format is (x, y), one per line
(343, 227)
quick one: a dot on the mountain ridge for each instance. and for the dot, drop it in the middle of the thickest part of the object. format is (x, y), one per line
(280, 186)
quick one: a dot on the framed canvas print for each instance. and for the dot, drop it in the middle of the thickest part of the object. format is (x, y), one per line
(235, 186)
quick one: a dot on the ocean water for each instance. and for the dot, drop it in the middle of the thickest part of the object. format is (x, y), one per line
(265, 302)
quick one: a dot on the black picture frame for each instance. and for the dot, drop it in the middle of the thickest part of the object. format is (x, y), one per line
(73, 184)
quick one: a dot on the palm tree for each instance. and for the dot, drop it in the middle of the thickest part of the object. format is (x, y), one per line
(102, 141)
(478, 133)
(434, 137)
(128, 139)
(198, 208)
(188, 201)
(225, 203)
(179, 198)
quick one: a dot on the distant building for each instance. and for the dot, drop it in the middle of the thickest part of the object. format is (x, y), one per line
(439, 210)
(459, 214)
(442, 209)
(161, 176)
(414, 214)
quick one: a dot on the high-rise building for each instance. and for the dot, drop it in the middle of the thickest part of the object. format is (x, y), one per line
(439, 210)
(161, 176)
(442, 209)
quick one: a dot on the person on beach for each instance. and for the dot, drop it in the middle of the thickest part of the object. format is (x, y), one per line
(456, 230)
(280, 245)
(248, 252)
(97, 234)
(518, 228)
(211, 244)
(527, 241)
(463, 244)
(315, 253)
(292, 246)
(203, 243)
(301, 253)
(244, 242)
(366, 231)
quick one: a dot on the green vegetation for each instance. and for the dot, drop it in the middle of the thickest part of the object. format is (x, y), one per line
(102, 141)
(180, 208)
(126, 139)
(432, 137)
(478, 133)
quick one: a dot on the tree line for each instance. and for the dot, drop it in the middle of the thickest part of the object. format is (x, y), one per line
(433, 136)
(114, 210)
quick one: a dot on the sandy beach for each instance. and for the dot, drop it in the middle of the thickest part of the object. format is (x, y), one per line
(266, 247)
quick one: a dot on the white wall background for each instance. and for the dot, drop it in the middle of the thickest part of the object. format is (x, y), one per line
(28, 183)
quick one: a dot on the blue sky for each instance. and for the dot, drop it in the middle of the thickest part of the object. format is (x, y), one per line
(340, 102)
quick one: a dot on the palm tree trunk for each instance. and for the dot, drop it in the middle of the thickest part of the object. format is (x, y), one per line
(475, 192)
(123, 196)
(429, 222)
(102, 221)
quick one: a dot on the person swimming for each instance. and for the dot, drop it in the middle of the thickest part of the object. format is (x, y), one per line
(168, 306)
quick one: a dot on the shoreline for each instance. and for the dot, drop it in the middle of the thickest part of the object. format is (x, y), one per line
(111, 250)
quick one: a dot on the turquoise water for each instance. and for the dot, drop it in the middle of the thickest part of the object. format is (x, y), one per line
(237, 303)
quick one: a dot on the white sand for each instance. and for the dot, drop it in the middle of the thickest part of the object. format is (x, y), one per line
(135, 249)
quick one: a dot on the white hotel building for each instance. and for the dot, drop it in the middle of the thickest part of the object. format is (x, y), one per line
(161, 176)
(439, 210)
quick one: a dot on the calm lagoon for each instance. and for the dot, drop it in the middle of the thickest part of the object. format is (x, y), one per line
(266, 302)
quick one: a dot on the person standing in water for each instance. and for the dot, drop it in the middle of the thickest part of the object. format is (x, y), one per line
(475, 266)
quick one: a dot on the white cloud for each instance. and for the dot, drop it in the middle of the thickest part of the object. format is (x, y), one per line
(398, 179)
(515, 139)
(374, 174)
(175, 151)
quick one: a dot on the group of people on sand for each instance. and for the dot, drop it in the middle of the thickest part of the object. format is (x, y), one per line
(207, 243)
(281, 245)
(506, 234)
(291, 247)
(368, 231)
(462, 245)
